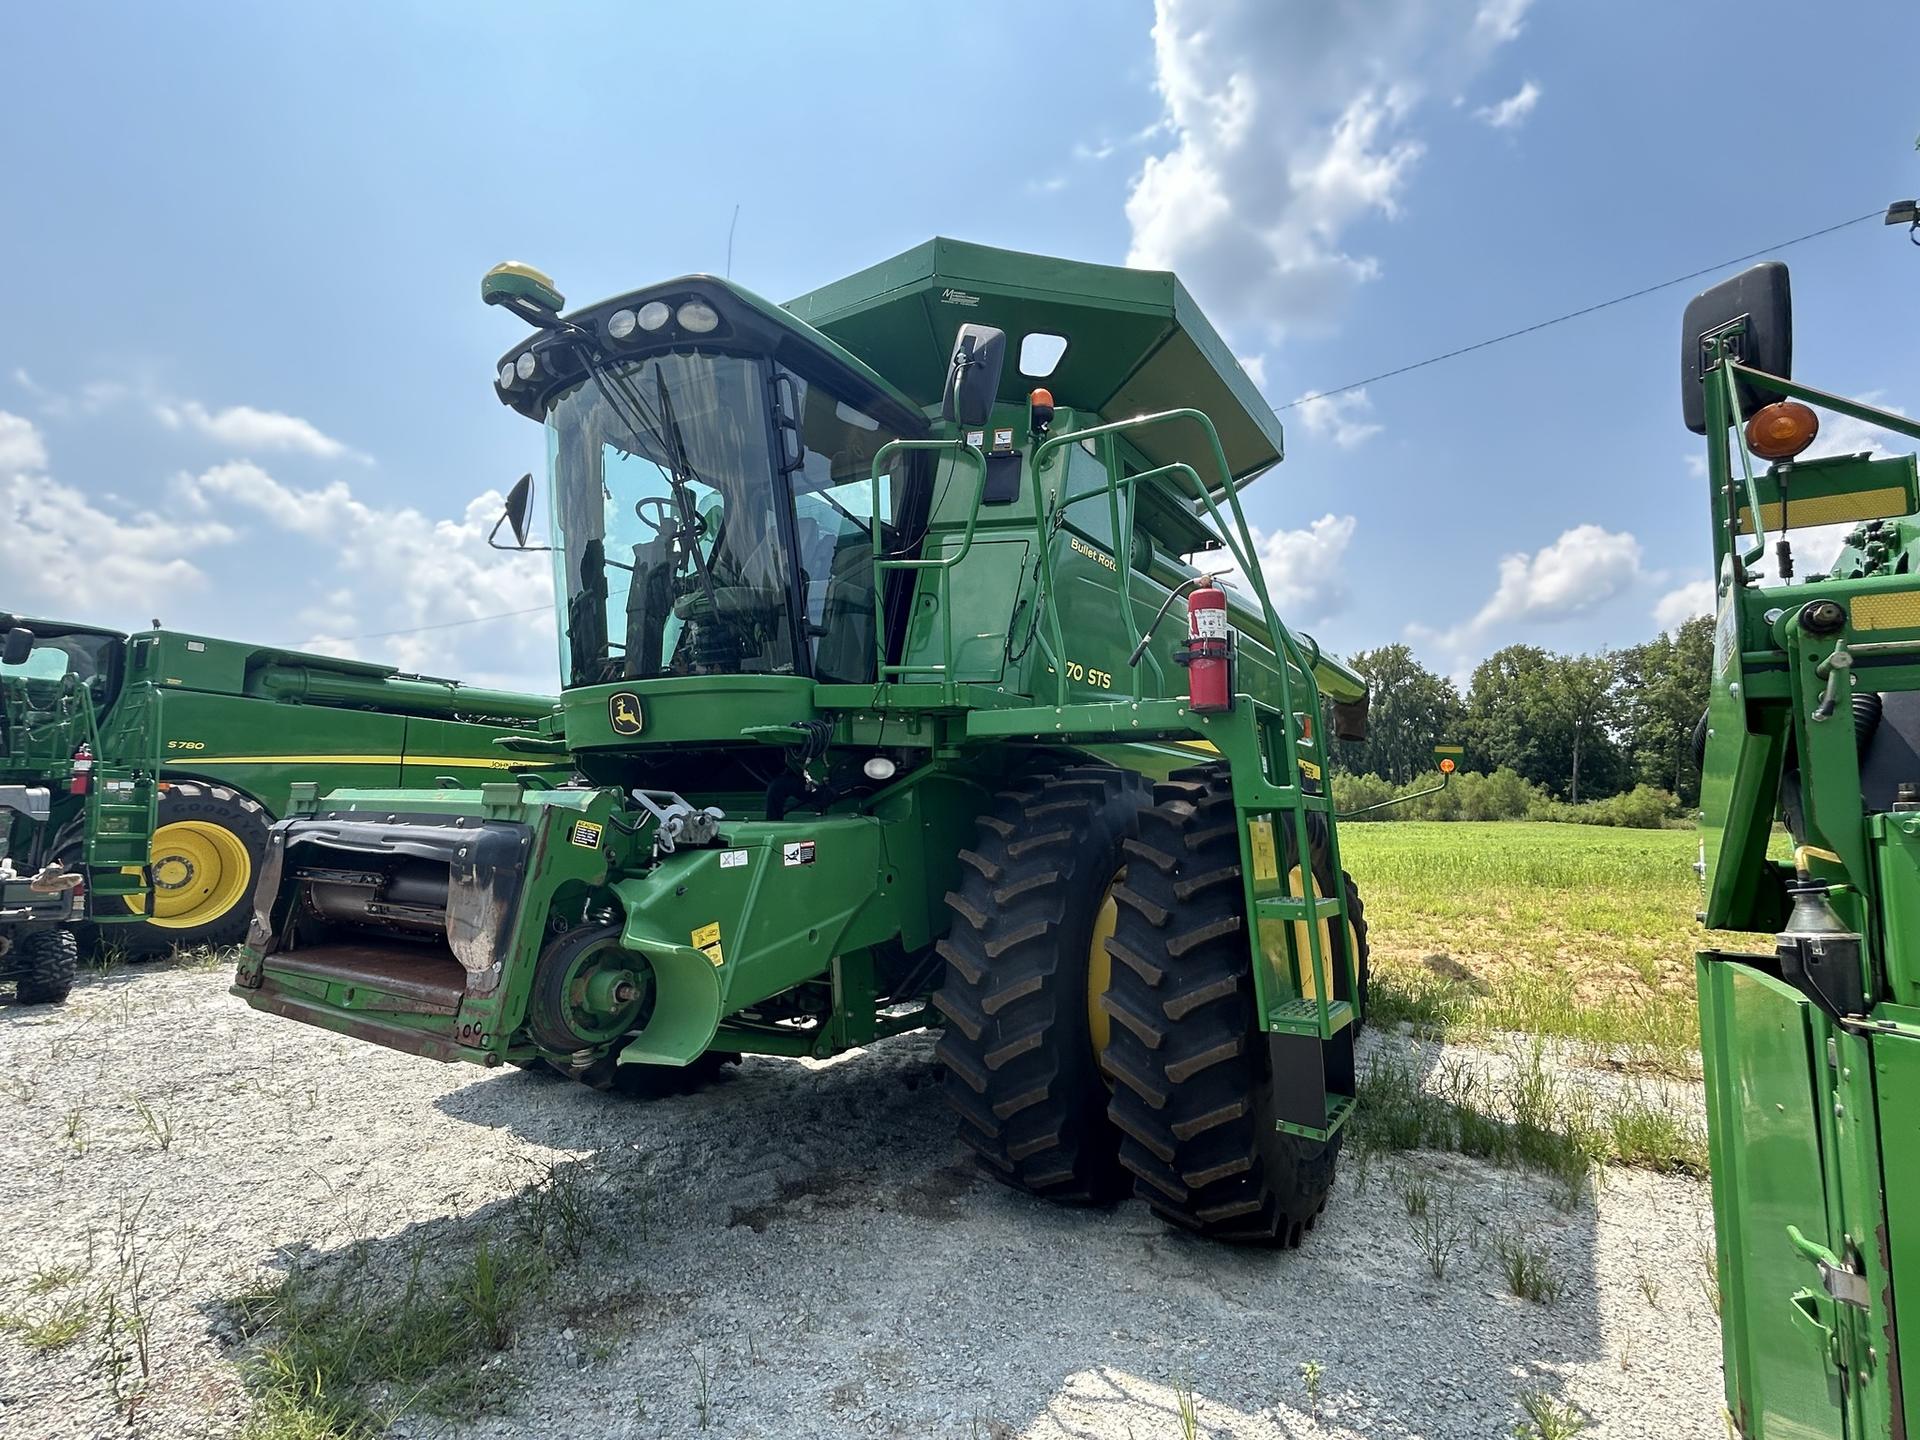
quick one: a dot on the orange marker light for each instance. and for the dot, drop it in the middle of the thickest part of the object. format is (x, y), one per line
(1782, 430)
(1040, 406)
(1446, 767)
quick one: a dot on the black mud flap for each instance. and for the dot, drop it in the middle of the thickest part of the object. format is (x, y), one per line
(1304, 1071)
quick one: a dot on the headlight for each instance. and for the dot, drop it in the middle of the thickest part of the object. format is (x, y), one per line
(506, 375)
(527, 365)
(654, 314)
(620, 324)
(698, 316)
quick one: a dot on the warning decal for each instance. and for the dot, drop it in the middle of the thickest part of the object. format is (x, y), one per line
(586, 835)
(707, 941)
(800, 852)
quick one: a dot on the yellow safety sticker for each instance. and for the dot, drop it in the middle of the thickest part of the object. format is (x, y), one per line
(707, 941)
(1266, 864)
(586, 835)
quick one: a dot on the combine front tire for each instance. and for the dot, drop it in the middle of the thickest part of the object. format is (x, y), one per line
(1025, 964)
(1193, 1093)
(205, 854)
(44, 963)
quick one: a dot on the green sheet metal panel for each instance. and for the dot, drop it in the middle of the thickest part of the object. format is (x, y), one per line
(1136, 341)
(1758, 1050)
(1896, 1066)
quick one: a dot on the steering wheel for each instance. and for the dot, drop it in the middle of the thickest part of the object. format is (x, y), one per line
(667, 517)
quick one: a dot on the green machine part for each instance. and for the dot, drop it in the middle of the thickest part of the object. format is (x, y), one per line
(872, 641)
(1811, 1053)
(188, 747)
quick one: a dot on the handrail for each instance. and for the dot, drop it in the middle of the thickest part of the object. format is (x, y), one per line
(1238, 538)
(942, 568)
(880, 556)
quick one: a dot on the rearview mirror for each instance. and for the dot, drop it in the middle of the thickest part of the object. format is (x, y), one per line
(973, 378)
(18, 646)
(1758, 305)
(514, 516)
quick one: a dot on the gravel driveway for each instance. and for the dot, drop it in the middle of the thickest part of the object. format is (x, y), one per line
(787, 1253)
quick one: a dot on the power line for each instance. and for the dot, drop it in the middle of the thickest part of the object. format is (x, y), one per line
(449, 624)
(1576, 314)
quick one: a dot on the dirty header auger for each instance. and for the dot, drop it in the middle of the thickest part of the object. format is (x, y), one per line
(883, 724)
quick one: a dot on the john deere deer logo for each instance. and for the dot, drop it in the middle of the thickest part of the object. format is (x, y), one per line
(623, 713)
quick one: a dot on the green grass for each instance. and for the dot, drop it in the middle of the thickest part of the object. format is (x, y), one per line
(1576, 931)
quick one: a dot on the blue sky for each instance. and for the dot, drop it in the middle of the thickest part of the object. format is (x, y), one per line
(245, 380)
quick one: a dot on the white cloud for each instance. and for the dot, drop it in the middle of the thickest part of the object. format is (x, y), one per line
(1511, 112)
(242, 427)
(1051, 185)
(1683, 603)
(1305, 570)
(21, 447)
(1582, 570)
(1256, 368)
(71, 557)
(1499, 20)
(1342, 419)
(404, 570)
(1289, 122)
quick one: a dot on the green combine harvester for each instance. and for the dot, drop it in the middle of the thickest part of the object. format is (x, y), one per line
(1812, 1052)
(899, 704)
(139, 775)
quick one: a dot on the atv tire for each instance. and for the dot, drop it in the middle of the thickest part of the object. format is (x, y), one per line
(1018, 1047)
(203, 886)
(1192, 1094)
(44, 963)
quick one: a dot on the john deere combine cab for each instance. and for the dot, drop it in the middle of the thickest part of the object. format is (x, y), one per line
(139, 773)
(868, 668)
(1812, 1051)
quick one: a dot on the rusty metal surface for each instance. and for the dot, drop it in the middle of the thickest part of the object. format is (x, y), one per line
(395, 1037)
(430, 977)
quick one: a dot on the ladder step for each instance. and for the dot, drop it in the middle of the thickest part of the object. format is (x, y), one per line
(1293, 907)
(1302, 1017)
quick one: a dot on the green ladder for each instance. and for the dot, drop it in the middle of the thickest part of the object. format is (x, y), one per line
(119, 838)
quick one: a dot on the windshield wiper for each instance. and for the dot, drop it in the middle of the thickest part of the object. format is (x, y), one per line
(682, 492)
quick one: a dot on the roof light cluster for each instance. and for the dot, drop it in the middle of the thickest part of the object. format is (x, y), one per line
(628, 325)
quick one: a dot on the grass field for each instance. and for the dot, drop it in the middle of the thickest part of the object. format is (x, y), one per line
(1565, 930)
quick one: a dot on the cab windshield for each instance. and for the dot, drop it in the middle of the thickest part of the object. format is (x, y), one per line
(37, 681)
(712, 515)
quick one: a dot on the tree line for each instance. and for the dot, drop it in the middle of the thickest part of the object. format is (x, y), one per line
(1580, 727)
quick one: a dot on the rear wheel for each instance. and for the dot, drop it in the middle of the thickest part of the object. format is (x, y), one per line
(206, 851)
(1024, 968)
(1193, 1092)
(44, 963)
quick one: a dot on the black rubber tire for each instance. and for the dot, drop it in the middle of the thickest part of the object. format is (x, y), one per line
(547, 1021)
(1363, 961)
(1192, 1097)
(652, 1082)
(44, 962)
(1020, 1069)
(233, 812)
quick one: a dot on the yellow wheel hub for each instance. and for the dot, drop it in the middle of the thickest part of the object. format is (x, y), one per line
(200, 871)
(1100, 966)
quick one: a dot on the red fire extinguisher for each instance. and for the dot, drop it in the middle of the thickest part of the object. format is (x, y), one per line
(1209, 653)
(82, 770)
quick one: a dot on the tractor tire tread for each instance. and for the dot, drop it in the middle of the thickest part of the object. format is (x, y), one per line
(1197, 1134)
(1020, 1072)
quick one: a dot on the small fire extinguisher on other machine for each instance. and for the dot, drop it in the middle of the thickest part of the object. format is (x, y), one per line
(82, 770)
(1208, 655)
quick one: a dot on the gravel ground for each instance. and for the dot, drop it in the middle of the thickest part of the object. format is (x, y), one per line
(810, 1243)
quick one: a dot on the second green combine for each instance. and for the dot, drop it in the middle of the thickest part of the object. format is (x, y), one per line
(903, 695)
